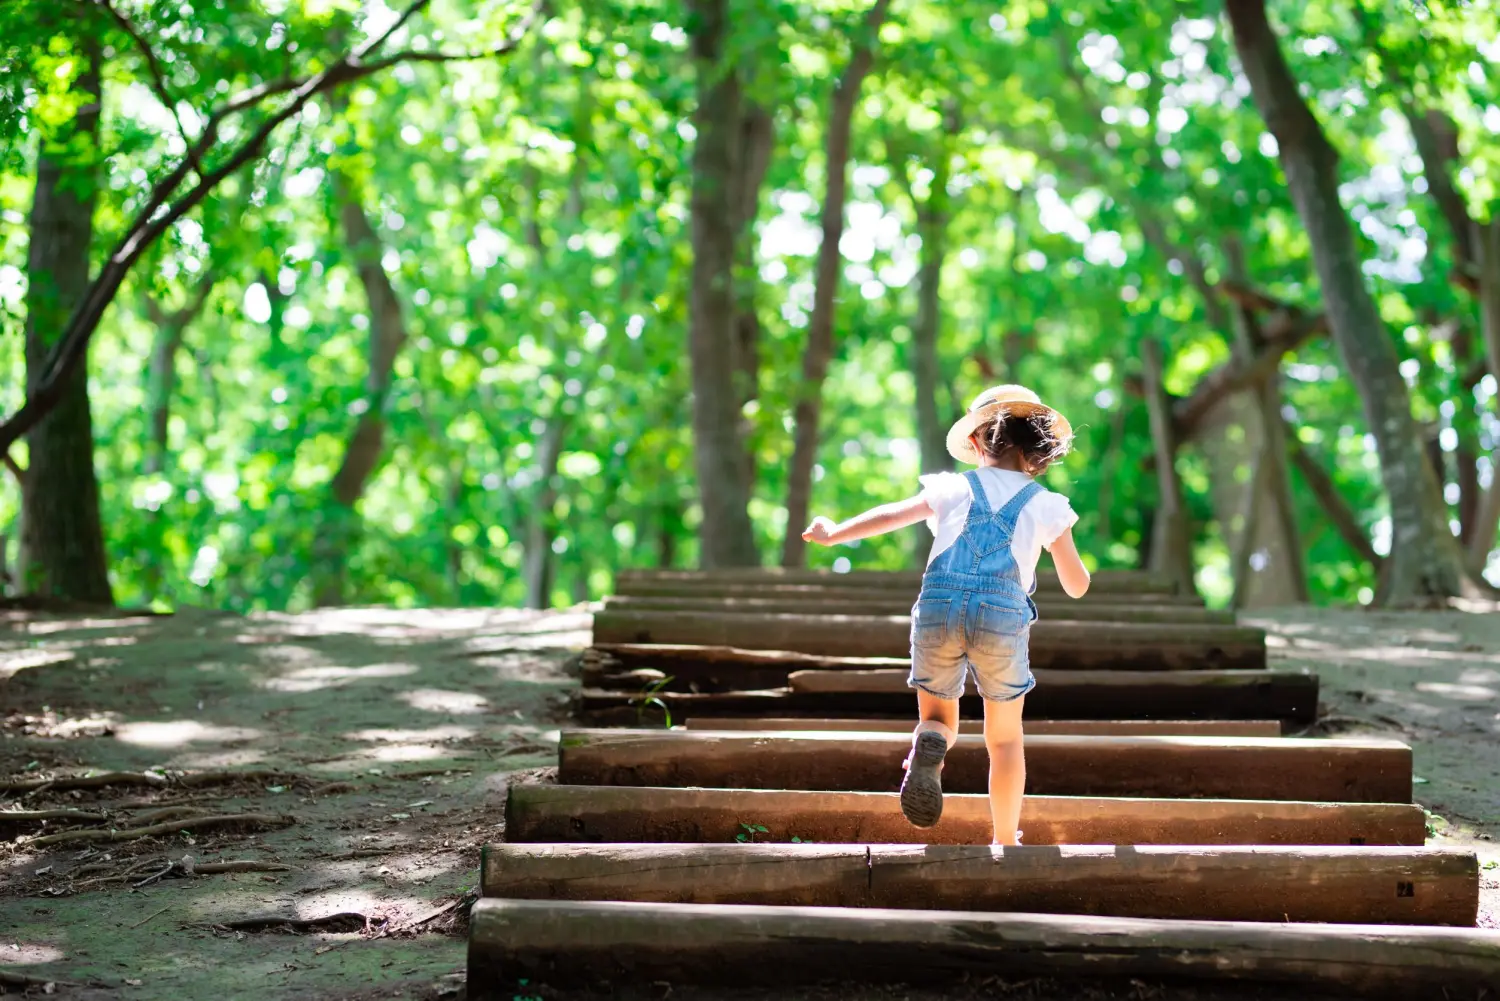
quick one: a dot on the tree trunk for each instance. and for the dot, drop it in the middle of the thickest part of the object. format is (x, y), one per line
(819, 352)
(340, 527)
(536, 570)
(62, 545)
(725, 533)
(1487, 515)
(1171, 535)
(1426, 563)
(932, 225)
(756, 140)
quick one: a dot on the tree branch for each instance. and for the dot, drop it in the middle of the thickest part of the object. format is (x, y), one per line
(158, 216)
(158, 78)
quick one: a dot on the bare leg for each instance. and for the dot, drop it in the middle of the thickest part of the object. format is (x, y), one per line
(1003, 739)
(932, 708)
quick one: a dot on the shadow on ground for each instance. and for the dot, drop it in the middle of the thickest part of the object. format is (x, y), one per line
(384, 741)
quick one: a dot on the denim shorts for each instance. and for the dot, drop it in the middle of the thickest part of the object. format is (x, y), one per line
(957, 633)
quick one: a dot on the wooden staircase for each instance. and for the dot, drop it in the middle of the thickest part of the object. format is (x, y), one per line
(1171, 831)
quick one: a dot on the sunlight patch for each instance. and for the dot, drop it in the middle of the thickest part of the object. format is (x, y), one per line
(181, 731)
(13, 662)
(311, 679)
(436, 700)
(21, 954)
(437, 734)
(1464, 693)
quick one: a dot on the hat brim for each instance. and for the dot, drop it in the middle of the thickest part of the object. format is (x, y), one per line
(962, 449)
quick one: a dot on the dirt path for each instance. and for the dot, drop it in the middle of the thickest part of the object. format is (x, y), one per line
(392, 735)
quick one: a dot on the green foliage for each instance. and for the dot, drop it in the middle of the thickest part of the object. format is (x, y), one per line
(533, 215)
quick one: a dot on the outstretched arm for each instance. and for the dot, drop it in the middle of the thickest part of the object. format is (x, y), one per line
(876, 521)
(1071, 572)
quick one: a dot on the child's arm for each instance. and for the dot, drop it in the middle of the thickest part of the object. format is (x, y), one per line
(876, 521)
(1071, 572)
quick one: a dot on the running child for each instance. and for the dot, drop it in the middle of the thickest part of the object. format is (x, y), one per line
(973, 616)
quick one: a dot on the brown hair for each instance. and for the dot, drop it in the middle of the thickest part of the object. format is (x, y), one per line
(1031, 438)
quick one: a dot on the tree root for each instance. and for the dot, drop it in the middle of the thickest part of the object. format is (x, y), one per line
(186, 824)
(31, 816)
(344, 921)
(161, 780)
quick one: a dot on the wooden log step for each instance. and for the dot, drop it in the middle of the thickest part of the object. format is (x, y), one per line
(726, 669)
(1284, 695)
(623, 814)
(1103, 581)
(1079, 727)
(580, 944)
(1281, 768)
(1051, 607)
(907, 592)
(1412, 886)
(1083, 645)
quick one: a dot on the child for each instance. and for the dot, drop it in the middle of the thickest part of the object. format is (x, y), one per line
(974, 613)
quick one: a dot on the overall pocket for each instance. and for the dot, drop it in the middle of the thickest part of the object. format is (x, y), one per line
(929, 622)
(998, 630)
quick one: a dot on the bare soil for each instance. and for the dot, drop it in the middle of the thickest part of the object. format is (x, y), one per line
(383, 742)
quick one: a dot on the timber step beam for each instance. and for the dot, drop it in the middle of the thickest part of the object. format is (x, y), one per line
(1233, 695)
(1412, 886)
(540, 812)
(1076, 727)
(566, 944)
(1283, 768)
(908, 592)
(1052, 608)
(1103, 581)
(1083, 645)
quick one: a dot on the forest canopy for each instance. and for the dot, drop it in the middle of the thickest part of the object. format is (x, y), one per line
(472, 302)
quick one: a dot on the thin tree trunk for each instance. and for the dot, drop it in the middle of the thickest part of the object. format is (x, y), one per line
(62, 545)
(536, 569)
(161, 373)
(819, 351)
(725, 534)
(932, 225)
(1487, 515)
(1244, 550)
(1426, 563)
(1171, 535)
(363, 453)
(1275, 514)
(756, 140)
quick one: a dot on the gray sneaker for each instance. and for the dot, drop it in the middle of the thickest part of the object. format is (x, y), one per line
(922, 789)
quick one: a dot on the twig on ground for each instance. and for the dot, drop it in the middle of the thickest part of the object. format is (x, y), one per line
(148, 917)
(189, 824)
(155, 876)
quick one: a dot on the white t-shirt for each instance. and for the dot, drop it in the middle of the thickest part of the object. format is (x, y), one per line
(1045, 517)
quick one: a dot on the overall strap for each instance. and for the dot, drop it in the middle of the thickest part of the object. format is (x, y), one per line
(1007, 515)
(979, 508)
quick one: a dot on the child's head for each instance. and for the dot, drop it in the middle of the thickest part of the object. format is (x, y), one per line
(1011, 426)
(1030, 441)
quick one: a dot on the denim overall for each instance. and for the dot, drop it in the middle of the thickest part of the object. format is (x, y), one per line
(973, 616)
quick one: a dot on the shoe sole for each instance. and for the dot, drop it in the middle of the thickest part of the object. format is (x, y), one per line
(922, 789)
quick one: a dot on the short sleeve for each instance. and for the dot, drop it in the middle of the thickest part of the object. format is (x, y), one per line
(943, 492)
(1054, 516)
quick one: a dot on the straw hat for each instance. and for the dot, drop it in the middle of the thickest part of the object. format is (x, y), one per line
(997, 400)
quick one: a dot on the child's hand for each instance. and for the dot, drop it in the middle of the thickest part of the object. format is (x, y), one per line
(820, 531)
